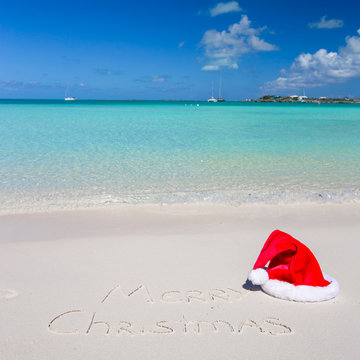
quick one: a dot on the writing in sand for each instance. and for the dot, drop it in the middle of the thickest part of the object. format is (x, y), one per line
(85, 322)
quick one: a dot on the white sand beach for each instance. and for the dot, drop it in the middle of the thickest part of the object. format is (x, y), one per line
(168, 282)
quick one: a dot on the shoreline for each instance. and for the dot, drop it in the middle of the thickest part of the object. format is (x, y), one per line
(112, 204)
(163, 218)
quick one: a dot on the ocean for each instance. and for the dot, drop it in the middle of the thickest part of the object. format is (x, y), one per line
(95, 154)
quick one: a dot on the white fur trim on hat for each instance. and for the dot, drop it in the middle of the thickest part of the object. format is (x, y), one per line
(303, 293)
(258, 276)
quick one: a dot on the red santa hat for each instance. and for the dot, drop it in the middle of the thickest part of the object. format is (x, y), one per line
(293, 272)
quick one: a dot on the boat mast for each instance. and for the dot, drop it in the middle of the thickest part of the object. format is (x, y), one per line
(220, 81)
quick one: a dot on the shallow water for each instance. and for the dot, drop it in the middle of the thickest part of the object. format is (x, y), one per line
(55, 154)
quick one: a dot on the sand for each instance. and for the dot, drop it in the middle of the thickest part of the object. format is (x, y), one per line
(169, 282)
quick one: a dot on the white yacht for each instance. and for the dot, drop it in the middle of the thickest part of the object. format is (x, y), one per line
(67, 97)
(220, 98)
(212, 99)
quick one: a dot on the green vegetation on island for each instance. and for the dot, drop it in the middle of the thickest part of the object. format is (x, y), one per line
(305, 99)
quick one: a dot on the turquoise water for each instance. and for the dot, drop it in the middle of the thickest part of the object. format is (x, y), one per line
(83, 154)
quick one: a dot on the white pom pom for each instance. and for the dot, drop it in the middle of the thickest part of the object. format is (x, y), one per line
(258, 276)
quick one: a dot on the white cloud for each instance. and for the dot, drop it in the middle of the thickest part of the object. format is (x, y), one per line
(105, 72)
(322, 67)
(327, 24)
(15, 85)
(158, 79)
(258, 44)
(223, 49)
(153, 79)
(223, 8)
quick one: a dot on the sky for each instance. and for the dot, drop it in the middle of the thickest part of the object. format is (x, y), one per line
(176, 49)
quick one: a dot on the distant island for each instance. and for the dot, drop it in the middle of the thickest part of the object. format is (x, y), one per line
(305, 99)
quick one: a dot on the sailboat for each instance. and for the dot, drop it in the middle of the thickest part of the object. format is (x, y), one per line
(67, 97)
(212, 99)
(220, 98)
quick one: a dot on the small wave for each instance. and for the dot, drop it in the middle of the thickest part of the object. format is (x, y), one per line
(54, 202)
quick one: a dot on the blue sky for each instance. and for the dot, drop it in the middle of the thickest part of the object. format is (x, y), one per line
(176, 49)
